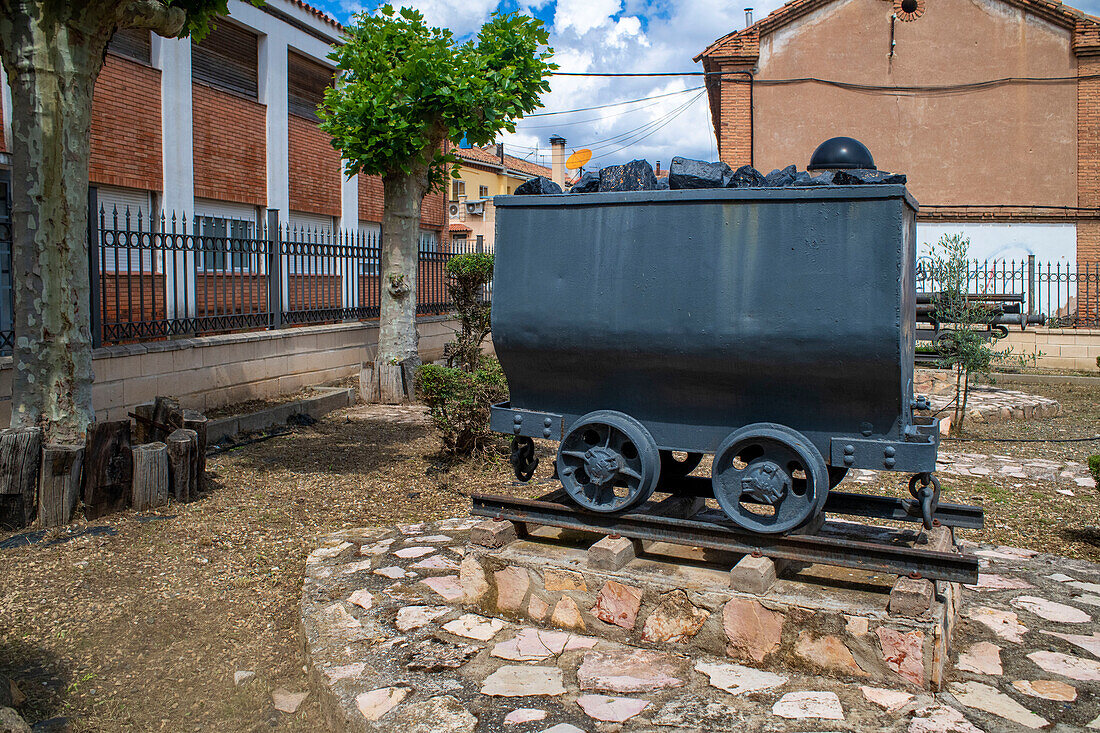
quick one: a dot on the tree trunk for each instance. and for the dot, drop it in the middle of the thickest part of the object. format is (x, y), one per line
(59, 484)
(387, 381)
(196, 421)
(52, 53)
(182, 464)
(19, 456)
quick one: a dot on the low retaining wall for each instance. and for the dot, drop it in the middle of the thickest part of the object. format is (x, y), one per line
(1062, 348)
(211, 371)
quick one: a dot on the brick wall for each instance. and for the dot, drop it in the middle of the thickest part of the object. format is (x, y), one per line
(1088, 156)
(3, 149)
(735, 124)
(126, 133)
(433, 211)
(315, 176)
(230, 147)
(370, 198)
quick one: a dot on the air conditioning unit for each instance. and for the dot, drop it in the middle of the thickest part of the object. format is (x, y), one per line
(452, 210)
(475, 208)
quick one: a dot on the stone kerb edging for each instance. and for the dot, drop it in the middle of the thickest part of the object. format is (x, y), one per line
(985, 403)
(413, 629)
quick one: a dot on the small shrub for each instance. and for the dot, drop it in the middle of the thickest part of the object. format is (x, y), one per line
(467, 276)
(1094, 468)
(459, 402)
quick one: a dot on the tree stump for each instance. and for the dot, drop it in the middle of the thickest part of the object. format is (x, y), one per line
(19, 460)
(183, 464)
(167, 415)
(143, 428)
(150, 484)
(196, 421)
(59, 483)
(108, 468)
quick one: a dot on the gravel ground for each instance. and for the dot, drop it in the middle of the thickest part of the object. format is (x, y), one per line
(140, 624)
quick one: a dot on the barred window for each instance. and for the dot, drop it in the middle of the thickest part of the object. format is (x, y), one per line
(228, 58)
(307, 81)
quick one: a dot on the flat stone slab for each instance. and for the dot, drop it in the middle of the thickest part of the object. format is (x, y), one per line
(390, 664)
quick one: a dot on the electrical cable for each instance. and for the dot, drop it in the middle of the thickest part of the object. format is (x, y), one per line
(591, 119)
(647, 134)
(613, 104)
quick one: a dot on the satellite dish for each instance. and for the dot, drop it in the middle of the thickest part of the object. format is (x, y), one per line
(578, 159)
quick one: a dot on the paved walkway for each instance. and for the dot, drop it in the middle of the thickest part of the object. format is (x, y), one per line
(392, 648)
(1070, 475)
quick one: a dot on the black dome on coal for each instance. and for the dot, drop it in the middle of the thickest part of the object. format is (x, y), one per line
(841, 153)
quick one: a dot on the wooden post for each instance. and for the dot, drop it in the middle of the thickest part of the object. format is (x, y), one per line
(19, 457)
(182, 468)
(150, 484)
(59, 483)
(143, 431)
(196, 421)
(167, 412)
(108, 468)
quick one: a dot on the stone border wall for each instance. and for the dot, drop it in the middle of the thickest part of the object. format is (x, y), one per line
(211, 371)
(1062, 348)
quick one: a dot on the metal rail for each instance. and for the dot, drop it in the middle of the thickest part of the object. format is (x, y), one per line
(717, 535)
(858, 505)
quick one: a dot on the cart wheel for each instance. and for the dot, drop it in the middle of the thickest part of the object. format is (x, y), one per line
(608, 462)
(672, 468)
(836, 475)
(769, 478)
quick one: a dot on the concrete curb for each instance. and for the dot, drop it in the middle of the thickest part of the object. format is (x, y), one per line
(328, 399)
(1007, 378)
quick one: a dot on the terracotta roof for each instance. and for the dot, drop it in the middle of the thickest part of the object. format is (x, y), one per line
(745, 44)
(489, 157)
(455, 226)
(319, 13)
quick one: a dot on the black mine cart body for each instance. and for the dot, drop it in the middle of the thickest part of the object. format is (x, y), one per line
(771, 328)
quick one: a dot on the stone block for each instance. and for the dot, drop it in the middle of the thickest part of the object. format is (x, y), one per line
(637, 175)
(753, 575)
(688, 173)
(611, 554)
(493, 533)
(540, 186)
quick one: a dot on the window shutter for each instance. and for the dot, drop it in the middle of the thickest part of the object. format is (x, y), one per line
(228, 58)
(307, 81)
(132, 43)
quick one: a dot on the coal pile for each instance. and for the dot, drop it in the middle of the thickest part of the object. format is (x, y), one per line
(685, 173)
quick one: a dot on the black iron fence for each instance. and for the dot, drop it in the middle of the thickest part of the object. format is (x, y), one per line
(1066, 293)
(174, 277)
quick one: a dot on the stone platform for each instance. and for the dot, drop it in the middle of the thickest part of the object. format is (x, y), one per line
(399, 638)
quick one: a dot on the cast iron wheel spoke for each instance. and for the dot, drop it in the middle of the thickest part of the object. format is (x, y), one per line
(614, 481)
(628, 471)
(578, 454)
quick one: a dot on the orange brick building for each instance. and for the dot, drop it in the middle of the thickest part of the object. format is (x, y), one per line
(991, 108)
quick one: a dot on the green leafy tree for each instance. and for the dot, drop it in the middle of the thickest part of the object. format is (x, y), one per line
(53, 51)
(404, 89)
(965, 340)
(467, 276)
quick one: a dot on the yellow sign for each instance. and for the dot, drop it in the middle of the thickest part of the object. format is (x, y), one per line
(578, 159)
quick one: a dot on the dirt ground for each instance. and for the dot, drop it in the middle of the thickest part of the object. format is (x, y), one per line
(138, 622)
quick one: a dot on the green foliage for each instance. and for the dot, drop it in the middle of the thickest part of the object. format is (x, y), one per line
(964, 342)
(201, 15)
(1094, 468)
(404, 87)
(467, 276)
(459, 402)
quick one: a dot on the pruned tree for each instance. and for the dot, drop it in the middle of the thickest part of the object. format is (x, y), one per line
(404, 89)
(53, 51)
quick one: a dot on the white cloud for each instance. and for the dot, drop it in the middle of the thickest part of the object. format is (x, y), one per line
(581, 16)
(463, 17)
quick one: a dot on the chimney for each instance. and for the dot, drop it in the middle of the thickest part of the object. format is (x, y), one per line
(500, 152)
(748, 17)
(557, 158)
(658, 169)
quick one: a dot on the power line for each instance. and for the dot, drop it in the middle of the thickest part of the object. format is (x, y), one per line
(672, 117)
(594, 119)
(612, 104)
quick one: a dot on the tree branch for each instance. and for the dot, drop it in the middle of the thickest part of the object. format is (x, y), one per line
(164, 20)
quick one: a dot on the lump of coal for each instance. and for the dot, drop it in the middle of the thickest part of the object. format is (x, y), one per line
(538, 187)
(747, 177)
(866, 175)
(779, 178)
(637, 175)
(802, 178)
(688, 173)
(589, 183)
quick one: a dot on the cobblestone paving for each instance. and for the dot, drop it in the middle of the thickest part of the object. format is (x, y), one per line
(993, 404)
(392, 648)
(1069, 475)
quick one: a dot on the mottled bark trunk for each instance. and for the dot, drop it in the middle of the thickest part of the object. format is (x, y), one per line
(398, 340)
(52, 61)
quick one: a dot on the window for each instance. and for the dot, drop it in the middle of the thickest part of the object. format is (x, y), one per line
(429, 241)
(221, 245)
(307, 81)
(228, 58)
(132, 43)
(483, 192)
(458, 190)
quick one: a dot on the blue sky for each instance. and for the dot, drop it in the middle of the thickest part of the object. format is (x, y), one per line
(612, 36)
